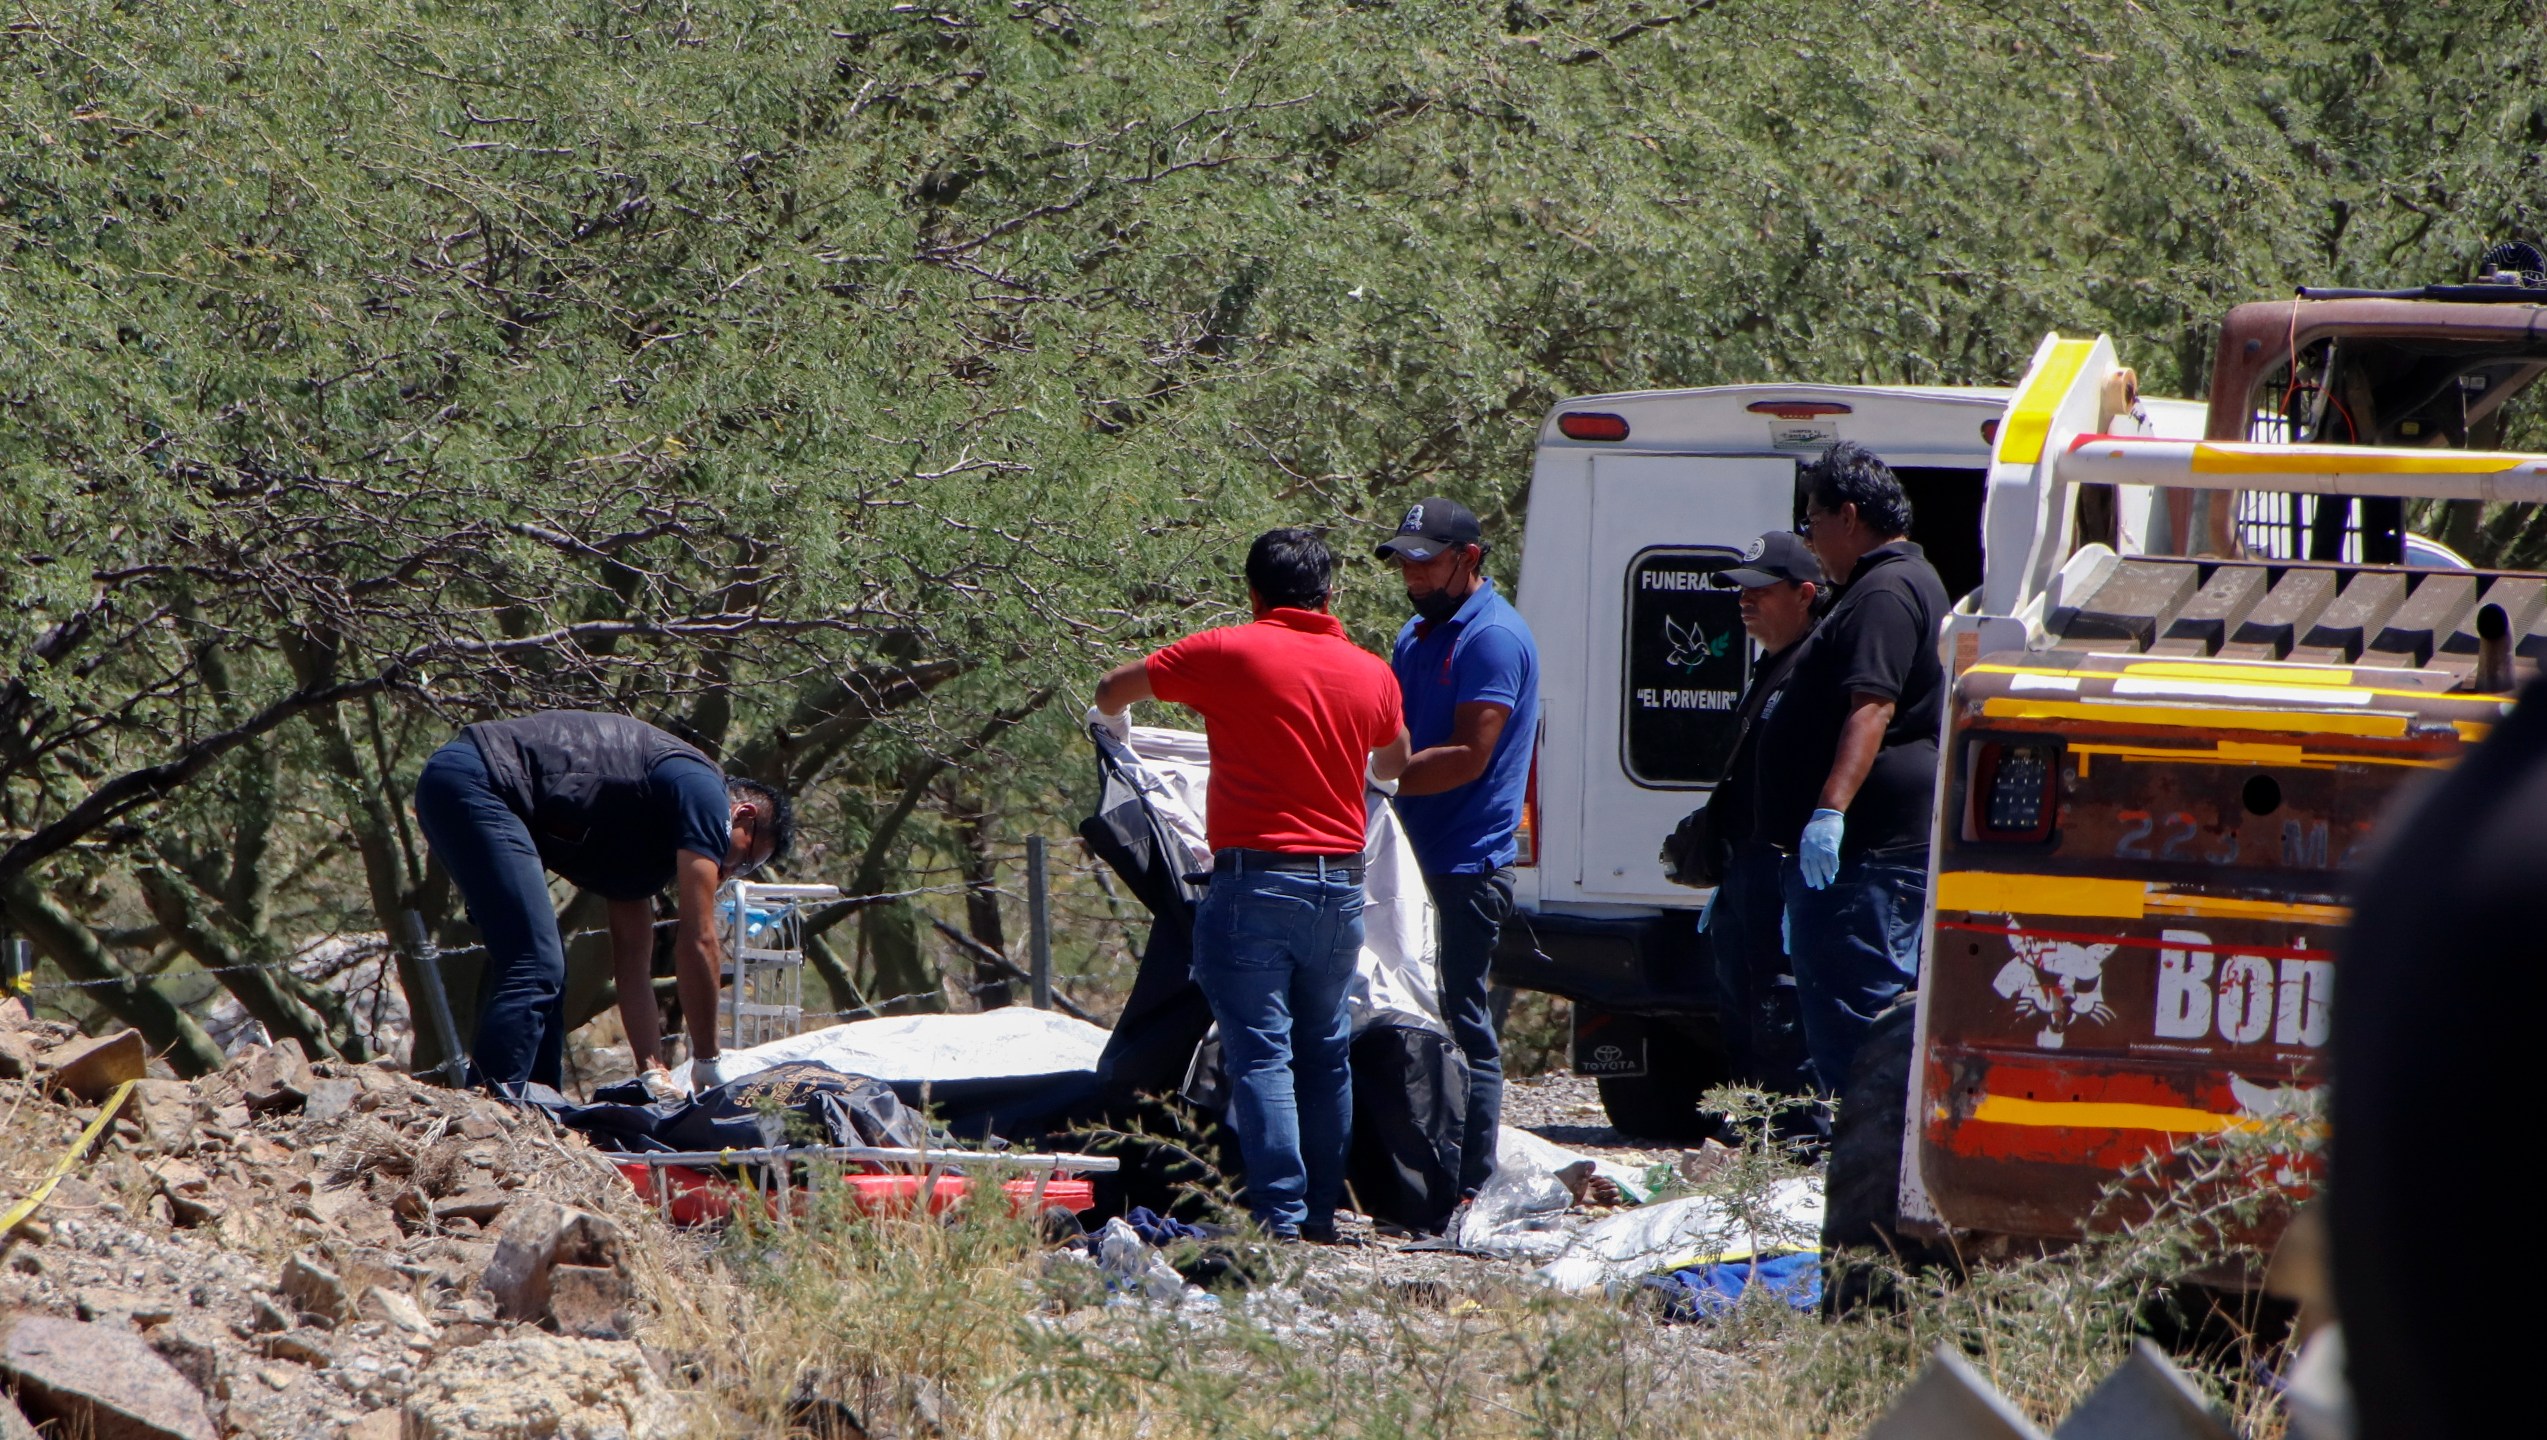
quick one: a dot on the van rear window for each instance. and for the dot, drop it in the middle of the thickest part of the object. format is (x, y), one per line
(1687, 664)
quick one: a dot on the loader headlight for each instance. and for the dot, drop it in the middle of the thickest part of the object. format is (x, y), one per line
(2015, 794)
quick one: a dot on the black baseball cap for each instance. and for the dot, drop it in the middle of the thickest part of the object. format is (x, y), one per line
(1432, 525)
(1779, 556)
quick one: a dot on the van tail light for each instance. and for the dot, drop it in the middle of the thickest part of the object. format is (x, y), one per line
(1798, 409)
(1592, 425)
(1527, 837)
(2015, 794)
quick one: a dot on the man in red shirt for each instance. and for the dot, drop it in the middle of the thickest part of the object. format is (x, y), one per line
(1297, 717)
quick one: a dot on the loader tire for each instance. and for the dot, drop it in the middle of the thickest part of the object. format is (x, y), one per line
(1667, 1101)
(1863, 1250)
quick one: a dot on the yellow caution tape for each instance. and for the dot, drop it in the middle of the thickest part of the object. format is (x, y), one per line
(70, 1158)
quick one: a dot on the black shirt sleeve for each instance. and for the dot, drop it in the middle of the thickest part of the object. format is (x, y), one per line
(1884, 638)
(703, 819)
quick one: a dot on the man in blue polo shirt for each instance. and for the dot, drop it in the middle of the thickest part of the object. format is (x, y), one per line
(1469, 674)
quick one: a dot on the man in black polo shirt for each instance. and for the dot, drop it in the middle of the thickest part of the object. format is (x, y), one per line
(1848, 759)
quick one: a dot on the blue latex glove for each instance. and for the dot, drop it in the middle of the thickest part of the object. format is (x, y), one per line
(1819, 854)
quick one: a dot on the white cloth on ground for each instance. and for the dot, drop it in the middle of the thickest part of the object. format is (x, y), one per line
(1011, 1042)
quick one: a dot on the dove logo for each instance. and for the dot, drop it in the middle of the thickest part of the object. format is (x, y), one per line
(1690, 647)
(2059, 980)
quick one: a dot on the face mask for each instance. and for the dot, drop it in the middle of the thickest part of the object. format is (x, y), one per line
(1433, 606)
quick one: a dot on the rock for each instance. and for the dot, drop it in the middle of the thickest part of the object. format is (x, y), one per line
(594, 1301)
(193, 1346)
(267, 1316)
(478, 1205)
(315, 1290)
(101, 1382)
(540, 1386)
(395, 1310)
(130, 1309)
(363, 1268)
(536, 1237)
(371, 1225)
(17, 1054)
(455, 1262)
(378, 1425)
(91, 1069)
(13, 1423)
(166, 1110)
(278, 1078)
(188, 1192)
(331, 1098)
(304, 1347)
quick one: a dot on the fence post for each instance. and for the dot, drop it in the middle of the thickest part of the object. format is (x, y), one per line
(437, 1002)
(1038, 924)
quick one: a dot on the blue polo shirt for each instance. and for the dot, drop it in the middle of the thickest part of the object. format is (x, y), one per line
(1483, 653)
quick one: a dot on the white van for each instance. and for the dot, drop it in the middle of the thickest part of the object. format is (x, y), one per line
(1636, 501)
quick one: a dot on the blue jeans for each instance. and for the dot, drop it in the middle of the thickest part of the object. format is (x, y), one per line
(1472, 909)
(1855, 944)
(1274, 953)
(521, 1029)
(1745, 934)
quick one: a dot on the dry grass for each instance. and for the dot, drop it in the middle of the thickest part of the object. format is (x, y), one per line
(968, 1329)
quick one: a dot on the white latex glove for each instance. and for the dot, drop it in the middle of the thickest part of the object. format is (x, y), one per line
(1118, 724)
(707, 1074)
(660, 1086)
(1371, 778)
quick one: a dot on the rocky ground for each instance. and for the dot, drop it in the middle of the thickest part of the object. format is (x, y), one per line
(289, 1249)
(294, 1250)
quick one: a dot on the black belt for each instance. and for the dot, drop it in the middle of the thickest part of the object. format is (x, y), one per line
(1347, 868)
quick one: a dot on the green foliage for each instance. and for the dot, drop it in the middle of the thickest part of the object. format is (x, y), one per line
(827, 379)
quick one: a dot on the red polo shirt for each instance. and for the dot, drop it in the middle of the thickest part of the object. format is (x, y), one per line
(1295, 711)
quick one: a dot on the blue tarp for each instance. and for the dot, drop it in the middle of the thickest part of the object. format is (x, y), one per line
(1703, 1292)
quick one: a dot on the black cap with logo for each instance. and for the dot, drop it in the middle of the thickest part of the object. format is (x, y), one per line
(1432, 525)
(1781, 556)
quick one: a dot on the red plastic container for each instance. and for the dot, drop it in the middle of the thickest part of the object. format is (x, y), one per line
(696, 1197)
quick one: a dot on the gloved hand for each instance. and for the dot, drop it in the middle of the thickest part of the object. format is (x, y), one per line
(1371, 778)
(707, 1074)
(660, 1086)
(1118, 724)
(1819, 854)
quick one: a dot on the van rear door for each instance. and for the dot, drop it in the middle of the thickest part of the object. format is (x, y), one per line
(1664, 655)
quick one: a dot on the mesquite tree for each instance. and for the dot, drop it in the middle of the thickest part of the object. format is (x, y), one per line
(841, 384)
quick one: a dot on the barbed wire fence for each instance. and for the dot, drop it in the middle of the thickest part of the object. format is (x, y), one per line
(1084, 902)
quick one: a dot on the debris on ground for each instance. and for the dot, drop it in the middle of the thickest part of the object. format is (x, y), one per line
(297, 1248)
(1694, 1230)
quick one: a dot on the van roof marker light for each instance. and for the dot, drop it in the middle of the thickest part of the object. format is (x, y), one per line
(1592, 425)
(1798, 409)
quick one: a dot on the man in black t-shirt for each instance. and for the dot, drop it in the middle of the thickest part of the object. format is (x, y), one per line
(1848, 760)
(615, 806)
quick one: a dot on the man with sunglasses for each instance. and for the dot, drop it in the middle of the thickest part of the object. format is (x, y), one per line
(1848, 759)
(615, 806)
